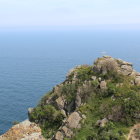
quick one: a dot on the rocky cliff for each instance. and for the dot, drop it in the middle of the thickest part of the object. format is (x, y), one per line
(97, 102)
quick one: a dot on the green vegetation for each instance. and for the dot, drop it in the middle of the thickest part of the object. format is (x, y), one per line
(119, 103)
(48, 117)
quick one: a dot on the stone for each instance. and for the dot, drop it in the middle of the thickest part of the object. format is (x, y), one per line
(137, 81)
(68, 132)
(78, 101)
(134, 133)
(105, 64)
(30, 110)
(103, 85)
(93, 78)
(102, 123)
(122, 62)
(60, 102)
(73, 120)
(126, 69)
(59, 136)
(25, 130)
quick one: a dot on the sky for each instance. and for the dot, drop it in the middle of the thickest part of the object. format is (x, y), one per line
(69, 13)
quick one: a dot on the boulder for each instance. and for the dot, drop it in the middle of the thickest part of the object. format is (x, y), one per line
(103, 85)
(25, 130)
(134, 133)
(78, 101)
(68, 132)
(105, 64)
(59, 136)
(102, 123)
(30, 110)
(126, 69)
(73, 120)
(137, 81)
(60, 102)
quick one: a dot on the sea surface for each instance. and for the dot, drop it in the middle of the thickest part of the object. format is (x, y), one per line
(32, 62)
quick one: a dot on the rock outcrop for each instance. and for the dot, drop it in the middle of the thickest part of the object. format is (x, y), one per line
(23, 131)
(91, 99)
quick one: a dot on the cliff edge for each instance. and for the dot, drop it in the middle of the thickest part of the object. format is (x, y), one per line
(95, 102)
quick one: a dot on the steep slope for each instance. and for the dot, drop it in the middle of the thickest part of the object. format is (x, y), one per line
(98, 102)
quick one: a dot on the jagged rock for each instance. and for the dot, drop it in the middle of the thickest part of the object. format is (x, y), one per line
(137, 81)
(59, 136)
(126, 69)
(30, 110)
(134, 133)
(34, 136)
(73, 120)
(103, 85)
(68, 132)
(78, 100)
(105, 64)
(108, 64)
(23, 131)
(60, 102)
(102, 123)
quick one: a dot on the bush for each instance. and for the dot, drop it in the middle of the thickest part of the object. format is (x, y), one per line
(84, 72)
(131, 106)
(48, 117)
(69, 91)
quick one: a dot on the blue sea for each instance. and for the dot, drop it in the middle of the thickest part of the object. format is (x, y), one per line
(32, 62)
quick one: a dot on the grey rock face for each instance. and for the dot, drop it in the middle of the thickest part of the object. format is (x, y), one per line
(137, 81)
(108, 64)
(60, 102)
(78, 101)
(59, 136)
(68, 132)
(30, 110)
(103, 85)
(105, 64)
(73, 120)
(126, 69)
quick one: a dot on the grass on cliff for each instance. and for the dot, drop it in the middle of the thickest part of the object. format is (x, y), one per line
(120, 104)
(123, 108)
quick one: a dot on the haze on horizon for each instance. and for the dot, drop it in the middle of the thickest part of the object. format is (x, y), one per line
(65, 14)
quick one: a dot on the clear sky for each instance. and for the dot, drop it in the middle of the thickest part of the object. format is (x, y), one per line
(69, 13)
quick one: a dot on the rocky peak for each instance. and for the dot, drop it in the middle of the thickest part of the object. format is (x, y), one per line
(108, 64)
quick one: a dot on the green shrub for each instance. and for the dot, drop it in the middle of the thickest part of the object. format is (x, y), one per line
(84, 73)
(69, 91)
(48, 117)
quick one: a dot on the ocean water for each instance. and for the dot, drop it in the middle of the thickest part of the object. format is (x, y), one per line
(32, 62)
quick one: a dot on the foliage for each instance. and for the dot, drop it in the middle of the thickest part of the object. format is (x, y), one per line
(84, 72)
(69, 91)
(119, 103)
(48, 117)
